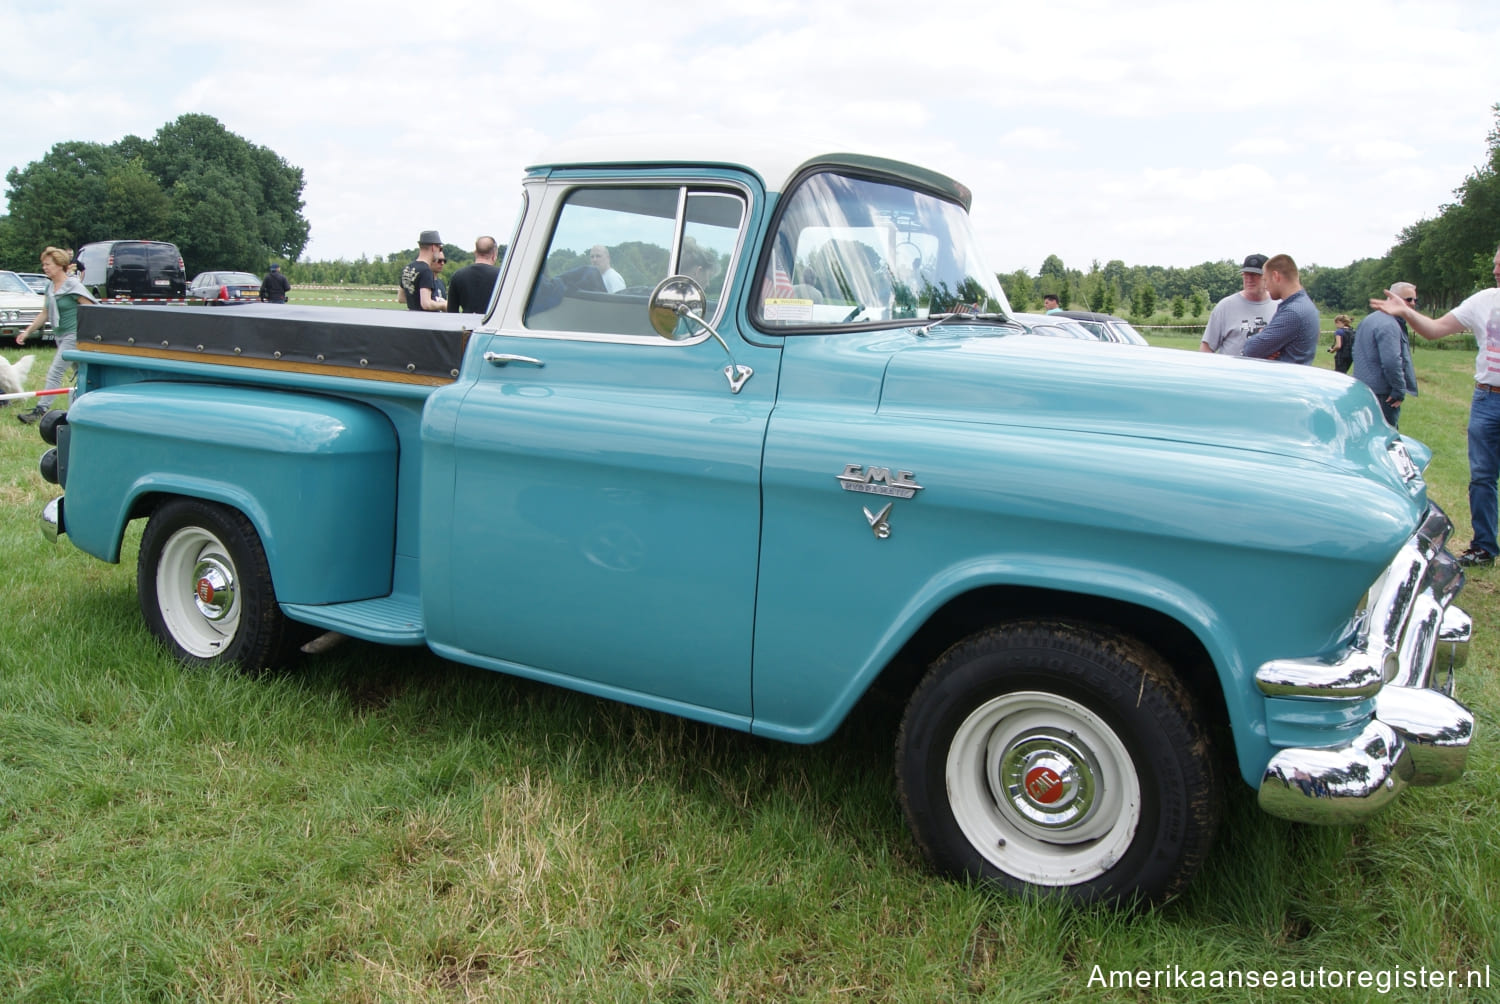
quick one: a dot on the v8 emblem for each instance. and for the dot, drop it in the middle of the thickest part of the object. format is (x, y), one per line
(879, 522)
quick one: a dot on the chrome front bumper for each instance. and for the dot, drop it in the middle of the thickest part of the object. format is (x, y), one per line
(52, 519)
(1409, 647)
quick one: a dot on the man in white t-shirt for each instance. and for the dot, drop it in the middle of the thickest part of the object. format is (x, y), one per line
(1480, 314)
(1240, 315)
(599, 258)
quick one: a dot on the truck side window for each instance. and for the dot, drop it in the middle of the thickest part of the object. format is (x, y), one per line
(609, 248)
(612, 245)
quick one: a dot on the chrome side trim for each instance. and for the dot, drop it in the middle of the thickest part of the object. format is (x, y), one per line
(1341, 784)
(52, 519)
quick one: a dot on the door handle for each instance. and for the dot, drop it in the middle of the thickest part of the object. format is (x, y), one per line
(505, 358)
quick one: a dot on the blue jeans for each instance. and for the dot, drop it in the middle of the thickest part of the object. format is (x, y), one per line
(1484, 467)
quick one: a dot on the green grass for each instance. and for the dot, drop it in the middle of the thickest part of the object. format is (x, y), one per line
(380, 297)
(381, 825)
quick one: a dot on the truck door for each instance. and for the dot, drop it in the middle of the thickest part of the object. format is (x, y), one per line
(603, 525)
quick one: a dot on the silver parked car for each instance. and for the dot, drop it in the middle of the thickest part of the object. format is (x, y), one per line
(1106, 327)
(19, 303)
(36, 280)
(1054, 325)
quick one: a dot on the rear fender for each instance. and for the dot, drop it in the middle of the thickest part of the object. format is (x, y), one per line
(315, 475)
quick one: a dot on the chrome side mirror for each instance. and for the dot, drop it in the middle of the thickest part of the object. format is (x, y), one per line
(676, 308)
(674, 298)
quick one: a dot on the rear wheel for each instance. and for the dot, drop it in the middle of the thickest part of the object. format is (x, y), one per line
(205, 588)
(1058, 758)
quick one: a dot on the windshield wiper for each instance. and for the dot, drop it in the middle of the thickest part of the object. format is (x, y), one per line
(933, 320)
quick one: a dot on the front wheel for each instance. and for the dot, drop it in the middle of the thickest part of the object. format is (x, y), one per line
(1057, 758)
(205, 587)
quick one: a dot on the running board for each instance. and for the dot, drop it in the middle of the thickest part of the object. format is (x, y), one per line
(389, 620)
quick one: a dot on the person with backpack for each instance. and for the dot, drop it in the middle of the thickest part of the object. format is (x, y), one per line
(275, 286)
(1343, 343)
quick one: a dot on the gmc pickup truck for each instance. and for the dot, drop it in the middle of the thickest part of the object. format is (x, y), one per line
(796, 448)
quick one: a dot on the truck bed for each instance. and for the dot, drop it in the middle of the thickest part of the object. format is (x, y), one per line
(401, 346)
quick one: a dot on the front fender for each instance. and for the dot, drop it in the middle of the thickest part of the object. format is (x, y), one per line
(796, 705)
(315, 475)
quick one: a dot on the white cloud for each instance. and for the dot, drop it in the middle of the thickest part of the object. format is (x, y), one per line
(1381, 151)
(1264, 146)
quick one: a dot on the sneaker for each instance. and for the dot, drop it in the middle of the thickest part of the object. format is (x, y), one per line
(34, 415)
(1476, 557)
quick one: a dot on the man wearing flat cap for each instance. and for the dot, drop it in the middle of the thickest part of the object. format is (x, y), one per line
(419, 289)
(1240, 315)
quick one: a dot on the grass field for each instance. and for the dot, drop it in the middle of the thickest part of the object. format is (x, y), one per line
(381, 825)
(383, 297)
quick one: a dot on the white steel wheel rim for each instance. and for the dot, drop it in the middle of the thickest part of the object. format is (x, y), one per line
(197, 592)
(1043, 788)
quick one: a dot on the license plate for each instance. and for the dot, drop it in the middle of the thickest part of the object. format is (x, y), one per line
(162, 282)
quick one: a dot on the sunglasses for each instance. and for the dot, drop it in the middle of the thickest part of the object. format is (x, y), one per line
(1410, 299)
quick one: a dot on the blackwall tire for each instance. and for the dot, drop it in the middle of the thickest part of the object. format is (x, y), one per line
(1058, 759)
(205, 588)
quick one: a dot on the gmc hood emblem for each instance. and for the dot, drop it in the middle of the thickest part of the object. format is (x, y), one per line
(878, 481)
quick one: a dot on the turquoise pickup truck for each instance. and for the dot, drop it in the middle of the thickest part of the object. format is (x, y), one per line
(795, 448)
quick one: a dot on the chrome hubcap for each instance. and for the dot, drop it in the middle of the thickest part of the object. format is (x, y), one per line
(214, 588)
(1047, 779)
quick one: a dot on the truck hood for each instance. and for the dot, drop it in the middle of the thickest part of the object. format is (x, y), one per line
(1124, 390)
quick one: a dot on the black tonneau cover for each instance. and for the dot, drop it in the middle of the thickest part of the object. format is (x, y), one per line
(380, 344)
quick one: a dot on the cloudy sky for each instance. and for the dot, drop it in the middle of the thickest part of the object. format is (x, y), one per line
(1159, 133)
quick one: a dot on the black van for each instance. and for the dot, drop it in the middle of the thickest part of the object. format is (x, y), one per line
(134, 269)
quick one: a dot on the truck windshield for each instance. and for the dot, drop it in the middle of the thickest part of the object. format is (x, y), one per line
(850, 251)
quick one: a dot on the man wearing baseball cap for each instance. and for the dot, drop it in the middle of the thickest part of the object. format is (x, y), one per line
(1240, 315)
(1292, 335)
(419, 290)
(275, 286)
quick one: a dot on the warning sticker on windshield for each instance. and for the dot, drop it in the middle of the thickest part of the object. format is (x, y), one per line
(787, 310)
